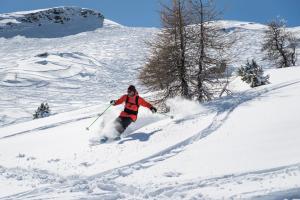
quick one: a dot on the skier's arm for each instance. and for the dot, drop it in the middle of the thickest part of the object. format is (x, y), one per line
(120, 100)
(146, 104)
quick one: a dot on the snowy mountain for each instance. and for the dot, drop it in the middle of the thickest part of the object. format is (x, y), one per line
(244, 146)
(52, 22)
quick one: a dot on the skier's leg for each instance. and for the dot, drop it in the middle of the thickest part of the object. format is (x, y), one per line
(121, 123)
(118, 125)
(126, 121)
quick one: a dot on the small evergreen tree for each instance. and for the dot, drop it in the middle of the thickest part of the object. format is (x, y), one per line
(42, 111)
(253, 74)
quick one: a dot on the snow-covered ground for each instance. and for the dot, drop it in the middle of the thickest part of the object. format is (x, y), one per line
(80, 70)
(246, 146)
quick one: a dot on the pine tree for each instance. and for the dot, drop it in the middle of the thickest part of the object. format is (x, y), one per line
(253, 74)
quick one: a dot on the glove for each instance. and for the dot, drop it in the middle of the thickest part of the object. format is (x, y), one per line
(153, 109)
(113, 102)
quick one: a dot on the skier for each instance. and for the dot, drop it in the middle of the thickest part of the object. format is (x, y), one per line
(132, 102)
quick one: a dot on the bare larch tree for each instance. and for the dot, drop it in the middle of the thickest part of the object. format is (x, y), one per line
(167, 68)
(279, 44)
(190, 54)
(211, 47)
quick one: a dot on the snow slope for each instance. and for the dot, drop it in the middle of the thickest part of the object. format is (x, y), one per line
(245, 146)
(79, 70)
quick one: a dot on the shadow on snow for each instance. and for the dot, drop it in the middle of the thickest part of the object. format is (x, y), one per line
(142, 137)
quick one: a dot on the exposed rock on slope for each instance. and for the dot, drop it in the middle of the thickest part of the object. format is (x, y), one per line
(49, 23)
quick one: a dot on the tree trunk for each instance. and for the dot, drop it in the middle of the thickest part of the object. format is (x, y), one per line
(201, 57)
(182, 66)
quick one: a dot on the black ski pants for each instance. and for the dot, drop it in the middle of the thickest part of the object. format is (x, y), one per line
(121, 123)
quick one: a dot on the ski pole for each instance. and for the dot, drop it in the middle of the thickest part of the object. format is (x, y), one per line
(88, 128)
(171, 116)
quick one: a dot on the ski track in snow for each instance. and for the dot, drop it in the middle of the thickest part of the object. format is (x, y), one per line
(102, 188)
(44, 127)
(87, 187)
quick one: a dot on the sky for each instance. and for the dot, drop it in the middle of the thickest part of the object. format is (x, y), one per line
(145, 13)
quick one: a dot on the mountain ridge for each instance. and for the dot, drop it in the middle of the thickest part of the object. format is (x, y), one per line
(50, 22)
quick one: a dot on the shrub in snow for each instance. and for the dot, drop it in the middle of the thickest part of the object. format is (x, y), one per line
(42, 111)
(253, 74)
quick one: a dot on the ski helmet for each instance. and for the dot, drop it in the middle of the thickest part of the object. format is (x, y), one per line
(131, 88)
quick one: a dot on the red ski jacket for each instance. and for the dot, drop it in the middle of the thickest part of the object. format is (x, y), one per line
(132, 105)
